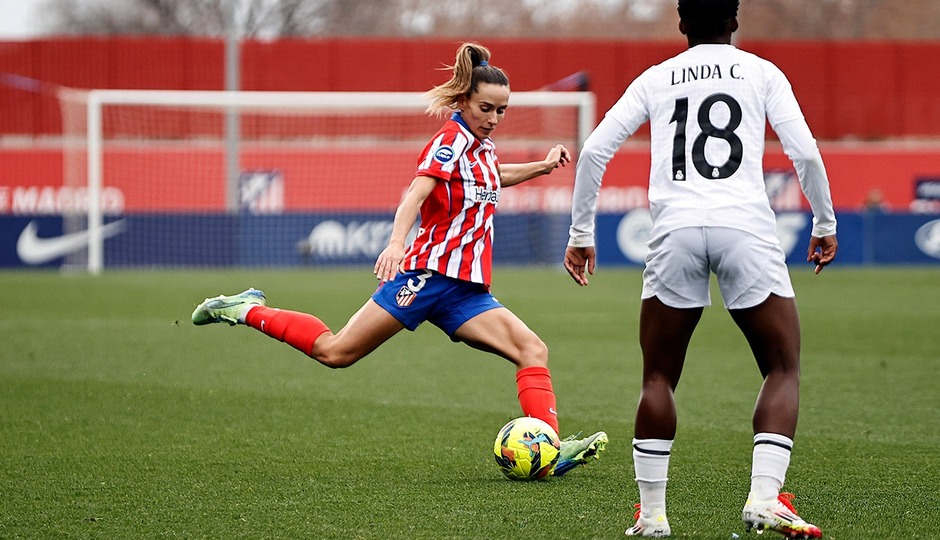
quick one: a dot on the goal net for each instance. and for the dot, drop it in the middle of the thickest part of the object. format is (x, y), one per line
(218, 179)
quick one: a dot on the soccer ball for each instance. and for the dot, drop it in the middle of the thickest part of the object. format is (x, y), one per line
(526, 449)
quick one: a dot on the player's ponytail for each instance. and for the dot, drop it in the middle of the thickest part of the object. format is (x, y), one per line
(470, 68)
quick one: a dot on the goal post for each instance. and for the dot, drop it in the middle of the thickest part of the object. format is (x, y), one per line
(318, 177)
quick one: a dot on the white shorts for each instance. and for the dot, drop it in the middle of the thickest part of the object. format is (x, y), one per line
(749, 269)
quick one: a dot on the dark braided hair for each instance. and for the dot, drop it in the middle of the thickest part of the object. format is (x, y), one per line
(706, 19)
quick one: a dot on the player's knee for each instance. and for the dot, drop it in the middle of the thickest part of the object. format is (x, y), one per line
(533, 352)
(337, 359)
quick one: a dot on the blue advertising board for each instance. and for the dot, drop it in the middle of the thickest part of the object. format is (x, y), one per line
(226, 240)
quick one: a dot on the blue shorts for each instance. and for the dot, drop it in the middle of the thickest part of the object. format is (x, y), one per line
(425, 295)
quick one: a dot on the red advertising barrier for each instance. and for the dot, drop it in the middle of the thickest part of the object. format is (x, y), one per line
(861, 90)
(175, 181)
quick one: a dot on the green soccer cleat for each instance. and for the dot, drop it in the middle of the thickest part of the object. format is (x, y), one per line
(226, 308)
(576, 452)
(778, 515)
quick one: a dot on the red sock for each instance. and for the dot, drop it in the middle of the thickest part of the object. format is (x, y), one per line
(299, 330)
(536, 395)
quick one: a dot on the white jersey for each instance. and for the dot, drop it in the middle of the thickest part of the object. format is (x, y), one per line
(707, 108)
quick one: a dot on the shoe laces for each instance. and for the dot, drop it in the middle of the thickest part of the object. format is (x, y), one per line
(572, 437)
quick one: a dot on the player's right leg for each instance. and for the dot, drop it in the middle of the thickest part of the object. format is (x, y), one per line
(368, 328)
(755, 284)
(772, 330)
(229, 309)
(364, 332)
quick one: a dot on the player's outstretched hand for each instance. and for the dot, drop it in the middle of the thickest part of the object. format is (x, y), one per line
(388, 263)
(577, 261)
(558, 156)
(822, 250)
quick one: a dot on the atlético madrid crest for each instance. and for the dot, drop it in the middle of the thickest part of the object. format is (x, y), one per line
(405, 296)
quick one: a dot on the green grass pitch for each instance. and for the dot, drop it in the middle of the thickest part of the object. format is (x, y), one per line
(119, 419)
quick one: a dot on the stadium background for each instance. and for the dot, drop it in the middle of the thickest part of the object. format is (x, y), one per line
(874, 106)
(121, 420)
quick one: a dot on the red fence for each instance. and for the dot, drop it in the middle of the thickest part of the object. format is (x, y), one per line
(865, 90)
(31, 179)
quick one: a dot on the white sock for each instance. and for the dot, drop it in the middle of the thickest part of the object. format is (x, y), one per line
(651, 463)
(243, 313)
(769, 465)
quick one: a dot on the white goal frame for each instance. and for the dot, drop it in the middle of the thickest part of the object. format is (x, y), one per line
(233, 101)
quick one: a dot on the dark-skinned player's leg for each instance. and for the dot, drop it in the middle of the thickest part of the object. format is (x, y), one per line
(772, 330)
(665, 333)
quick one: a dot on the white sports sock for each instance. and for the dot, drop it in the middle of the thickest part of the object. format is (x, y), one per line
(651, 463)
(243, 313)
(770, 461)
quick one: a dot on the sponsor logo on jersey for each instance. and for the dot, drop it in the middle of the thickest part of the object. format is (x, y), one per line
(483, 195)
(444, 154)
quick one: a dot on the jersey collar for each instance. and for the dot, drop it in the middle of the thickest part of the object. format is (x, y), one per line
(459, 119)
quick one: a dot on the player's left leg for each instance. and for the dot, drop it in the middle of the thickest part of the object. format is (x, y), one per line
(759, 297)
(501, 332)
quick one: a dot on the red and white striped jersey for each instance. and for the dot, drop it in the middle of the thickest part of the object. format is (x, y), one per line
(455, 237)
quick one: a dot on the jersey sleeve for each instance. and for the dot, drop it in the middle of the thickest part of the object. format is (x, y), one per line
(800, 147)
(781, 103)
(631, 110)
(621, 121)
(441, 155)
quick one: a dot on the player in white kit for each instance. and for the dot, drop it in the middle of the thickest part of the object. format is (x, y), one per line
(707, 108)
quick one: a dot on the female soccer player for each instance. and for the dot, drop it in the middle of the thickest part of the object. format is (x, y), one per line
(707, 108)
(444, 275)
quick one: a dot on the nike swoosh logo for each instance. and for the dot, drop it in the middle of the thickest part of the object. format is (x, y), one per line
(32, 249)
(222, 305)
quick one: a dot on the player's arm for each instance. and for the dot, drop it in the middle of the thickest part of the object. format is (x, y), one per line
(598, 150)
(800, 147)
(387, 264)
(511, 174)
